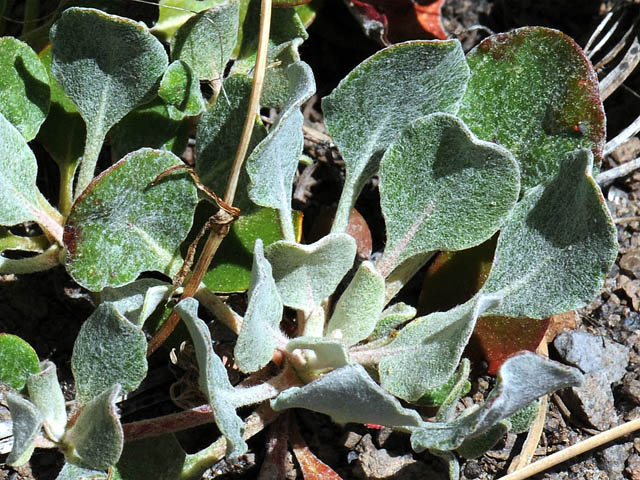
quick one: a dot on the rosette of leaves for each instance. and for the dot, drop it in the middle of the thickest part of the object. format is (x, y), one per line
(458, 161)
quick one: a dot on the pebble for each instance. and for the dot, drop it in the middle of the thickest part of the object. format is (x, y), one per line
(613, 460)
(630, 262)
(603, 362)
(633, 466)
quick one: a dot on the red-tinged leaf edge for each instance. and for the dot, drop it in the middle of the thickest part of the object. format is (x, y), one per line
(499, 338)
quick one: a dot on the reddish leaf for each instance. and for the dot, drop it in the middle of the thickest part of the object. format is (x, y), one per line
(501, 337)
(312, 467)
(455, 277)
(452, 279)
(274, 465)
(357, 228)
(402, 19)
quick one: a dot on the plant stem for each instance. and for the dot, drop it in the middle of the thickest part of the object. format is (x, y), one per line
(9, 241)
(175, 422)
(574, 450)
(67, 171)
(196, 464)
(218, 232)
(46, 260)
(92, 148)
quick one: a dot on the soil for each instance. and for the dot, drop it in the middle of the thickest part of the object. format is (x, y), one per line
(47, 309)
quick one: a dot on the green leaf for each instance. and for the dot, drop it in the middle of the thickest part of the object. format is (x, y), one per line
(206, 41)
(328, 353)
(109, 349)
(18, 360)
(163, 459)
(478, 445)
(367, 110)
(27, 421)
(557, 246)
(96, 439)
(523, 419)
(391, 318)
(348, 395)
(137, 301)
(534, 92)
(273, 163)
(150, 125)
(276, 91)
(230, 270)
(174, 13)
(285, 27)
(122, 225)
(260, 330)
(181, 91)
(20, 199)
(359, 307)
(442, 189)
(218, 135)
(307, 274)
(107, 65)
(24, 87)
(74, 472)
(46, 395)
(426, 352)
(214, 382)
(522, 379)
(63, 134)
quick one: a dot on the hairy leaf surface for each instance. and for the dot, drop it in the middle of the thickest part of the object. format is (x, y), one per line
(367, 111)
(557, 246)
(123, 225)
(442, 189)
(24, 87)
(260, 330)
(534, 92)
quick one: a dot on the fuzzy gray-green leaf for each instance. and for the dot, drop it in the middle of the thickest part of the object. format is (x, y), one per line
(106, 64)
(109, 349)
(443, 189)
(521, 379)
(137, 300)
(19, 195)
(557, 246)
(348, 395)
(163, 457)
(97, 437)
(391, 318)
(27, 421)
(214, 382)
(534, 91)
(24, 87)
(150, 125)
(74, 472)
(384, 94)
(426, 352)
(206, 41)
(218, 135)
(260, 330)
(46, 394)
(180, 89)
(273, 163)
(328, 353)
(359, 307)
(123, 225)
(307, 274)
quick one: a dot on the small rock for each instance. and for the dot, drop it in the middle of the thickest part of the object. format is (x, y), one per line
(472, 469)
(351, 439)
(379, 464)
(633, 466)
(630, 262)
(613, 460)
(632, 289)
(603, 362)
(631, 388)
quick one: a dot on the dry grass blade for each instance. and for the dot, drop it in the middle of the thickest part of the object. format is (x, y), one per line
(621, 72)
(574, 450)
